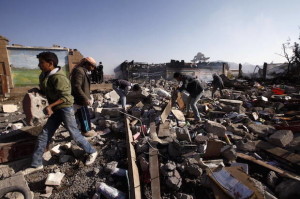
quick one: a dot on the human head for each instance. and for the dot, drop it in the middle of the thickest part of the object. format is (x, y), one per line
(89, 63)
(177, 76)
(136, 87)
(48, 57)
(47, 61)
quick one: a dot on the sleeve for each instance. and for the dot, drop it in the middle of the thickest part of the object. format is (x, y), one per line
(63, 88)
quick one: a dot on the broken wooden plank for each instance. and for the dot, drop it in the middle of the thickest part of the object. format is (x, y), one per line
(166, 112)
(178, 114)
(280, 153)
(180, 101)
(133, 172)
(164, 129)
(154, 172)
(264, 164)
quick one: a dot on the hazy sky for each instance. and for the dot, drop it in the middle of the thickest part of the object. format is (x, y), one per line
(155, 31)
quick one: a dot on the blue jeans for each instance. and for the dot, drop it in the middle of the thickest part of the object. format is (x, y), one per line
(65, 115)
(192, 102)
(122, 93)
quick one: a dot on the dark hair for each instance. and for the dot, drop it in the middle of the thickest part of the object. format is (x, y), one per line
(177, 74)
(48, 57)
(136, 87)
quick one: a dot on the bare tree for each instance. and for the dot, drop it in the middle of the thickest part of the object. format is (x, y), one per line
(290, 58)
(200, 57)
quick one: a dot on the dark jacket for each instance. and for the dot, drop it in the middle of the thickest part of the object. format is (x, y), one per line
(122, 84)
(191, 85)
(56, 86)
(80, 82)
(217, 82)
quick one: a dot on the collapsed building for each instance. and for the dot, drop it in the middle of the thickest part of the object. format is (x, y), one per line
(139, 71)
(246, 146)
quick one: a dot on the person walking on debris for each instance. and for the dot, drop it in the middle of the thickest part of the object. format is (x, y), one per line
(194, 88)
(217, 83)
(122, 87)
(56, 86)
(81, 83)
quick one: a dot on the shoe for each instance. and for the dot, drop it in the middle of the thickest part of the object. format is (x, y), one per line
(91, 158)
(89, 134)
(32, 170)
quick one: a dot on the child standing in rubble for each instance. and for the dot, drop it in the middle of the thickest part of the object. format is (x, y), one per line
(122, 87)
(217, 83)
(194, 88)
(56, 86)
(81, 82)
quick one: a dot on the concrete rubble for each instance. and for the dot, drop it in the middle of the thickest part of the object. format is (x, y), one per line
(245, 133)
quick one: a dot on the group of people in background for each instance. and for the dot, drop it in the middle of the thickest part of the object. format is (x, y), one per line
(69, 99)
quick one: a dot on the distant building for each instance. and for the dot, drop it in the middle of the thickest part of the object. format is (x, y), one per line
(19, 65)
(143, 71)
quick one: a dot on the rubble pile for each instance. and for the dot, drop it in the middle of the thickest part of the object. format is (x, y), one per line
(247, 145)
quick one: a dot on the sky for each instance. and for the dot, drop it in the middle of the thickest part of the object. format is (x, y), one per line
(155, 31)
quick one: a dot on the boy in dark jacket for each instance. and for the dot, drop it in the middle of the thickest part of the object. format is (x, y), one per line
(80, 82)
(56, 86)
(217, 83)
(194, 88)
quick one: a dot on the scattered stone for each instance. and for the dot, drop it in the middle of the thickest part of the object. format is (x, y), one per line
(215, 128)
(54, 178)
(9, 108)
(281, 138)
(261, 130)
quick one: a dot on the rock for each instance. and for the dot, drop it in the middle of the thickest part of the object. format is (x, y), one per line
(184, 196)
(144, 164)
(54, 178)
(200, 139)
(229, 153)
(236, 129)
(237, 104)
(174, 182)
(65, 158)
(47, 156)
(56, 150)
(261, 130)
(272, 179)
(249, 146)
(33, 107)
(183, 134)
(9, 108)
(5, 172)
(288, 189)
(281, 138)
(215, 128)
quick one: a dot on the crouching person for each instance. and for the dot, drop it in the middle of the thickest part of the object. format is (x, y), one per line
(122, 88)
(57, 89)
(195, 90)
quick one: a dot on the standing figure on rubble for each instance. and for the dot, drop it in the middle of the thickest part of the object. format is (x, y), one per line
(217, 83)
(57, 88)
(194, 88)
(122, 87)
(80, 82)
(100, 73)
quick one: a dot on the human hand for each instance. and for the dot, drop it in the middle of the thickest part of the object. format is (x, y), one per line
(48, 111)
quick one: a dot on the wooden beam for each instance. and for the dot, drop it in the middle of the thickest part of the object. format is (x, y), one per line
(154, 167)
(166, 112)
(133, 172)
(264, 164)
